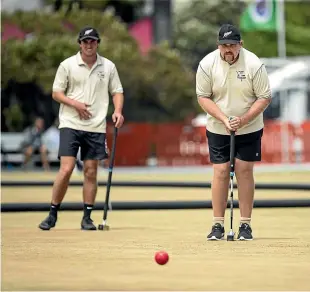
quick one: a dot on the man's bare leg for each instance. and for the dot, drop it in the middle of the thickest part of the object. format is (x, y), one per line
(246, 188)
(90, 181)
(89, 192)
(28, 153)
(44, 157)
(220, 183)
(60, 187)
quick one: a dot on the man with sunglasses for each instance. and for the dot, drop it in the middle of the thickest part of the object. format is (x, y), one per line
(82, 85)
(233, 88)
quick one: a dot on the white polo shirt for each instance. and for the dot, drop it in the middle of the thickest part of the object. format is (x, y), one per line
(89, 86)
(233, 88)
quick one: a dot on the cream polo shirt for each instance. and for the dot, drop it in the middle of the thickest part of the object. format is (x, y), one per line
(89, 86)
(233, 88)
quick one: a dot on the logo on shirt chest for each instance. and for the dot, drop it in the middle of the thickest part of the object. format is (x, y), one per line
(241, 75)
(100, 75)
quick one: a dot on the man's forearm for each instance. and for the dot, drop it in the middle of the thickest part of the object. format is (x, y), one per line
(257, 108)
(209, 106)
(118, 100)
(61, 98)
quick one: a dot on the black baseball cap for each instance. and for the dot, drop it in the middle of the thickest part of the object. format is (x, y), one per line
(229, 34)
(89, 33)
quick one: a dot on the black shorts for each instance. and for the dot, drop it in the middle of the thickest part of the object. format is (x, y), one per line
(93, 145)
(247, 147)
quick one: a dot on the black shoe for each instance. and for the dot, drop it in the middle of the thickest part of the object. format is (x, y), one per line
(48, 223)
(87, 224)
(245, 232)
(217, 232)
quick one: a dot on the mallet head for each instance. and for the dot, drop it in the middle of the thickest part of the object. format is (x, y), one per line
(103, 227)
(230, 236)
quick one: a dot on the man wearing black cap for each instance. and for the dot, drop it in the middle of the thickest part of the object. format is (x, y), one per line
(233, 88)
(82, 85)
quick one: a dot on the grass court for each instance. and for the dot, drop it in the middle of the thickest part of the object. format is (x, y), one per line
(67, 258)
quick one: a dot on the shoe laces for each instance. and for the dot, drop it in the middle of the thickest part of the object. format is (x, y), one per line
(217, 227)
(246, 227)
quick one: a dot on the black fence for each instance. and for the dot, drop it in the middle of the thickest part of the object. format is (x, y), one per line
(258, 186)
(153, 205)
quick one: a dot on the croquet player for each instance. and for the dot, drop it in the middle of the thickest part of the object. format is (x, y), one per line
(232, 82)
(82, 86)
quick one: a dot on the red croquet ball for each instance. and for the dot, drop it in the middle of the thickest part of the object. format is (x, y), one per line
(161, 257)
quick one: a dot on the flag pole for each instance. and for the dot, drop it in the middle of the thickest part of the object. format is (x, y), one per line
(281, 30)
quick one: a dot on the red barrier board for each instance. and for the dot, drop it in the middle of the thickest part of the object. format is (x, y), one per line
(177, 144)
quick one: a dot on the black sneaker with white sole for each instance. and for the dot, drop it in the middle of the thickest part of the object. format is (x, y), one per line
(48, 223)
(217, 232)
(245, 232)
(87, 224)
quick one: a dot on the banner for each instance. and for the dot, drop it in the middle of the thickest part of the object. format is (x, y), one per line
(260, 15)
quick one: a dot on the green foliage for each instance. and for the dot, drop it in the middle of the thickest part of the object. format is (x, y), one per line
(197, 23)
(14, 118)
(171, 80)
(159, 76)
(88, 4)
(196, 26)
(93, 4)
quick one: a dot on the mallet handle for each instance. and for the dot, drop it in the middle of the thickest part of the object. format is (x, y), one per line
(105, 213)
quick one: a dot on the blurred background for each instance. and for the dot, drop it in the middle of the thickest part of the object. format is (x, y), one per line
(156, 46)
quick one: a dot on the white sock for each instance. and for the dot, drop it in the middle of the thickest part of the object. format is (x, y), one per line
(245, 220)
(218, 220)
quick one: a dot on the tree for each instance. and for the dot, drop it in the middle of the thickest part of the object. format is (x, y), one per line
(157, 87)
(197, 24)
(123, 9)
